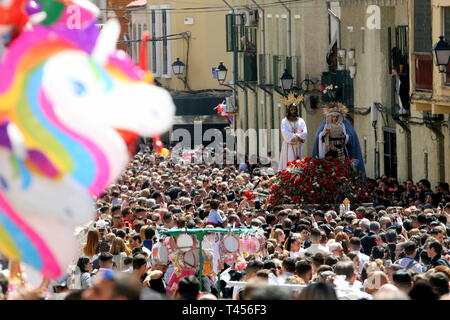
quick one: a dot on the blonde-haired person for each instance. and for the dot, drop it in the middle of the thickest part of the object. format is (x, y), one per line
(343, 239)
(118, 250)
(110, 238)
(278, 235)
(91, 247)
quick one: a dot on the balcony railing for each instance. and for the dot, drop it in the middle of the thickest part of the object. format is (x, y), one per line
(342, 79)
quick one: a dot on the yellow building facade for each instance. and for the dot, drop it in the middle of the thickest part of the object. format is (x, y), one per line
(430, 90)
(193, 33)
(195, 36)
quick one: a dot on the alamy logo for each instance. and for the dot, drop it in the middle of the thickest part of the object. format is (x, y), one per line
(373, 21)
(74, 17)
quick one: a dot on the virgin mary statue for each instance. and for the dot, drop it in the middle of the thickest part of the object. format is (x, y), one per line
(336, 137)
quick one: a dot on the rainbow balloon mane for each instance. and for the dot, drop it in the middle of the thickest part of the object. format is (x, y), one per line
(64, 95)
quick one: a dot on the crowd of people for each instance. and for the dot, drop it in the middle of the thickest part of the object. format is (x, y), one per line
(398, 248)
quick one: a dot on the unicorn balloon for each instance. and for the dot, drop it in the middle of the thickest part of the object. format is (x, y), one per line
(65, 94)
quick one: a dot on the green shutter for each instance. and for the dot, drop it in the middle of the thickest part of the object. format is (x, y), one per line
(230, 31)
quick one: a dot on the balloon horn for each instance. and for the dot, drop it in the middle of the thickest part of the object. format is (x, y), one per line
(143, 64)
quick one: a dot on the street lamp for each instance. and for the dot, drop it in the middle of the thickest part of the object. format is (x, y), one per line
(178, 67)
(221, 73)
(442, 54)
(286, 80)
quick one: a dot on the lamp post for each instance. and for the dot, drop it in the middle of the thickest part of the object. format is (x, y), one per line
(286, 81)
(221, 73)
(178, 68)
(442, 54)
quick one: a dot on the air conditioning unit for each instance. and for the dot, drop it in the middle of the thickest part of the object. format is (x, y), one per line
(251, 18)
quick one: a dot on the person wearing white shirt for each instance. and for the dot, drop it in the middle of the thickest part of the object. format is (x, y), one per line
(293, 245)
(355, 247)
(315, 243)
(345, 282)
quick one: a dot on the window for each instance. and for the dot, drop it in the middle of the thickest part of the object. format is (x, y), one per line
(422, 26)
(134, 43)
(398, 44)
(422, 45)
(138, 44)
(390, 152)
(149, 58)
(155, 45)
(165, 25)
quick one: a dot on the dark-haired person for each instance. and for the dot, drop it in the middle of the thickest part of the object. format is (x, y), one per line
(85, 266)
(188, 288)
(4, 284)
(402, 279)
(140, 266)
(293, 245)
(287, 269)
(136, 242)
(434, 252)
(215, 218)
(294, 133)
(409, 262)
(105, 261)
(115, 198)
(439, 283)
(149, 233)
(315, 243)
(158, 199)
(168, 220)
(117, 217)
(345, 278)
(369, 240)
(303, 270)
(355, 247)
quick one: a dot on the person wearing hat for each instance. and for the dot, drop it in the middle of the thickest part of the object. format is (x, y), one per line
(294, 132)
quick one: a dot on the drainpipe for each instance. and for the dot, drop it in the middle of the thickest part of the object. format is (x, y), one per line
(289, 35)
(263, 31)
(334, 15)
(235, 60)
(449, 130)
(263, 27)
(408, 146)
(235, 65)
(289, 27)
(440, 150)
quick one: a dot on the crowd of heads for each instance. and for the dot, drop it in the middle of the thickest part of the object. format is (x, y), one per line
(396, 248)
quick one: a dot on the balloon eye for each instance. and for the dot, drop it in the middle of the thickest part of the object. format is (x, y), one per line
(79, 88)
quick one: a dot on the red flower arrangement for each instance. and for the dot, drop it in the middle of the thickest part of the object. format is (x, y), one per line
(248, 194)
(319, 182)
